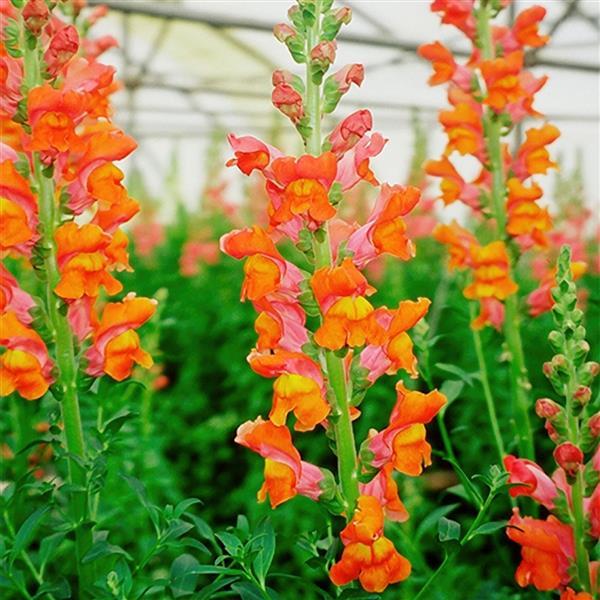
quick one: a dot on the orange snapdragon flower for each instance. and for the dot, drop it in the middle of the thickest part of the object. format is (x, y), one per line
(298, 387)
(547, 550)
(302, 188)
(18, 209)
(331, 283)
(525, 27)
(463, 128)
(286, 474)
(115, 206)
(368, 555)
(533, 157)
(25, 365)
(491, 273)
(525, 217)
(116, 345)
(460, 242)
(403, 441)
(453, 187)
(85, 254)
(502, 80)
(442, 61)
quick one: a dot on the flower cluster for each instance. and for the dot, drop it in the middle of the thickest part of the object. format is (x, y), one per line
(320, 338)
(489, 95)
(555, 553)
(63, 204)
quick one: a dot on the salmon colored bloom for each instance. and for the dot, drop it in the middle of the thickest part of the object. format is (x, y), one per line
(501, 76)
(250, 153)
(396, 350)
(25, 365)
(286, 99)
(385, 489)
(85, 253)
(453, 187)
(533, 157)
(532, 479)
(115, 344)
(385, 231)
(350, 131)
(298, 387)
(354, 166)
(403, 442)
(13, 298)
(286, 474)
(546, 553)
(569, 594)
(18, 210)
(265, 271)
(281, 323)
(445, 68)
(459, 13)
(63, 46)
(368, 555)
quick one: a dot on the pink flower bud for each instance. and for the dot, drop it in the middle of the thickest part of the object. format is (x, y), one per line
(283, 32)
(288, 101)
(569, 457)
(36, 15)
(546, 408)
(97, 14)
(552, 433)
(323, 54)
(547, 369)
(349, 131)
(343, 15)
(63, 47)
(583, 394)
(594, 424)
(281, 76)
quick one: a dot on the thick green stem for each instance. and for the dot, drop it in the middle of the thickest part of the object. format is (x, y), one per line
(518, 370)
(66, 363)
(341, 421)
(487, 390)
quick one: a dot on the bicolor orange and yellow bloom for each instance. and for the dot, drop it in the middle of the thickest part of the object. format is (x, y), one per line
(319, 331)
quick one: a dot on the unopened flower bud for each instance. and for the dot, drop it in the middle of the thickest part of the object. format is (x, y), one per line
(583, 394)
(588, 372)
(547, 409)
(36, 15)
(556, 340)
(343, 15)
(281, 76)
(323, 54)
(594, 424)
(569, 457)
(288, 101)
(283, 32)
(551, 431)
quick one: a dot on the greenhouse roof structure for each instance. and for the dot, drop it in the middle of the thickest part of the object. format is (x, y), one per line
(193, 67)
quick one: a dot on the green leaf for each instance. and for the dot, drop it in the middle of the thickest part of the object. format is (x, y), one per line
(433, 518)
(48, 546)
(26, 532)
(451, 388)
(231, 542)
(468, 378)
(448, 530)
(266, 543)
(488, 528)
(216, 570)
(208, 591)
(472, 493)
(59, 589)
(248, 591)
(101, 549)
(184, 505)
(204, 529)
(114, 424)
(183, 578)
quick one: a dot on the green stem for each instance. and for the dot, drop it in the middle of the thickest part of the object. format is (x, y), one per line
(66, 363)
(487, 390)
(518, 370)
(341, 421)
(582, 559)
(452, 555)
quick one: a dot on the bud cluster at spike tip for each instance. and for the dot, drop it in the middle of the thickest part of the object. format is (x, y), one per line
(62, 122)
(493, 90)
(552, 547)
(307, 320)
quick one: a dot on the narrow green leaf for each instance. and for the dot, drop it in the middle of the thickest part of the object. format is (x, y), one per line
(448, 530)
(26, 532)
